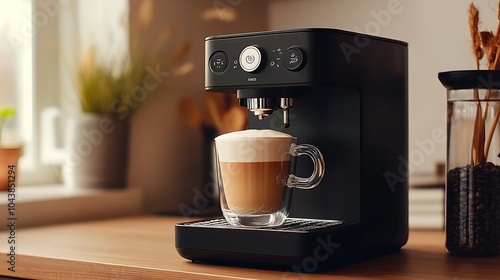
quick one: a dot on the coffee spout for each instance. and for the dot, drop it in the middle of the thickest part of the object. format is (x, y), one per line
(285, 104)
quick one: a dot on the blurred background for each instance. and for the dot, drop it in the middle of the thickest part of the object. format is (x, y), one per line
(171, 122)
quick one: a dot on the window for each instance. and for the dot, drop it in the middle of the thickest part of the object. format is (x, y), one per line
(16, 79)
(39, 42)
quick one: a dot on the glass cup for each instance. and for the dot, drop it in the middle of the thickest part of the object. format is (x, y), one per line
(255, 175)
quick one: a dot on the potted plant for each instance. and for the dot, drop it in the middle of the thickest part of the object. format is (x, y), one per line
(96, 139)
(9, 153)
(109, 91)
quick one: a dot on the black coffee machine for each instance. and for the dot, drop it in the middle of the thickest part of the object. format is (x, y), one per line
(345, 93)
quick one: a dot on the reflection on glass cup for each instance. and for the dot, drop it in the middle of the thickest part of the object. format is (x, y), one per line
(255, 177)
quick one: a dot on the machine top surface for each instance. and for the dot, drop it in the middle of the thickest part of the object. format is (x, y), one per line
(302, 30)
(299, 58)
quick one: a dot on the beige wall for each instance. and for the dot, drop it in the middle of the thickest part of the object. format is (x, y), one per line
(165, 154)
(438, 37)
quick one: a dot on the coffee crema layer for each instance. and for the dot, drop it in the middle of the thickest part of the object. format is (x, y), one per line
(254, 145)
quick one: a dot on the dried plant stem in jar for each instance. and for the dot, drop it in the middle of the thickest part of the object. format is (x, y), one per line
(473, 186)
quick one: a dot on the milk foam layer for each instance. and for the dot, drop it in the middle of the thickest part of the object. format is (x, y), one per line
(253, 146)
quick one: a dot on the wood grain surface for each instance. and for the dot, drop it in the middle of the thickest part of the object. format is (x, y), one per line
(142, 247)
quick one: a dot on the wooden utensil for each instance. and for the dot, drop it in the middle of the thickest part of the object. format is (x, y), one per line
(234, 119)
(190, 113)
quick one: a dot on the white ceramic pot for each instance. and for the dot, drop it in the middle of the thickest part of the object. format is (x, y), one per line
(95, 151)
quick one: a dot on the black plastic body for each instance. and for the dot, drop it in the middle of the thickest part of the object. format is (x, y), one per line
(350, 100)
(299, 248)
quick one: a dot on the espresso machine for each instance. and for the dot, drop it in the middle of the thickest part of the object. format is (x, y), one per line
(347, 94)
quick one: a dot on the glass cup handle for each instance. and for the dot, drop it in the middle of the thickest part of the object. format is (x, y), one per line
(319, 167)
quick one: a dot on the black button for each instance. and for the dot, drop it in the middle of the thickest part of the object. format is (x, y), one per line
(218, 62)
(293, 59)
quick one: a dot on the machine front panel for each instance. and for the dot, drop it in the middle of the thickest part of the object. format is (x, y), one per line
(330, 120)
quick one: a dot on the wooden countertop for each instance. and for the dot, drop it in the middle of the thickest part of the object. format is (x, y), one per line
(143, 247)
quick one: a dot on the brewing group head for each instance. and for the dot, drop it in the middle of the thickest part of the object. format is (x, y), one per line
(263, 106)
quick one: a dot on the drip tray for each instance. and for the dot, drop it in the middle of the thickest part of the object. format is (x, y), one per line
(312, 242)
(291, 224)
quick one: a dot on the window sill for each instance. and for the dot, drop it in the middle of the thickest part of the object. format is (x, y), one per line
(52, 204)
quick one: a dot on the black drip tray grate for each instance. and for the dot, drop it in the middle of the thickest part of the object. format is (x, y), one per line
(296, 240)
(290, 224)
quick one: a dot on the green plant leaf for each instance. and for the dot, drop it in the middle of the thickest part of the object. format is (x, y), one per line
(6, 112)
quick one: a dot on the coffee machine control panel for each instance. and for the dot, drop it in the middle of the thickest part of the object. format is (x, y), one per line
(253, 60)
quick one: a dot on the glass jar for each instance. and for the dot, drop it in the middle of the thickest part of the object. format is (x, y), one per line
(473, 162)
